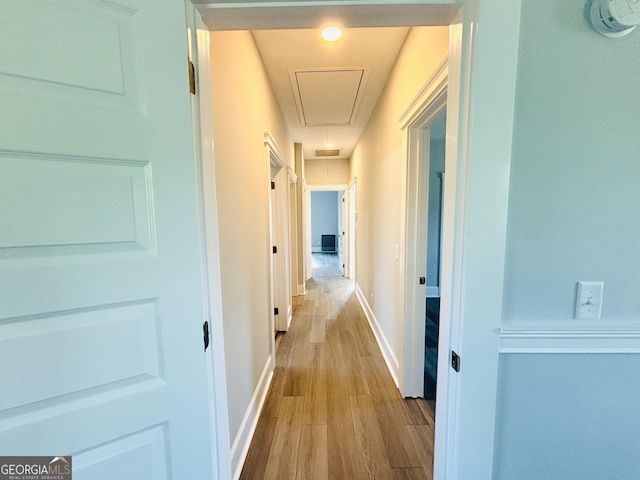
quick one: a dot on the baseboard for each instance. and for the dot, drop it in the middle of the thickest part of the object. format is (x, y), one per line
(289, 316)
(242, 441)
(387, 352)
(302, 289)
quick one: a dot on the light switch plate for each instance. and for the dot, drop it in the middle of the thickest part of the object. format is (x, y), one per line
(589, 300)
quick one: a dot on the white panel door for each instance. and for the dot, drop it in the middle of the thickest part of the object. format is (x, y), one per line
(101, 350)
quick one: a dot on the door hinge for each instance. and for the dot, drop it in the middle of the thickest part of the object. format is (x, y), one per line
(275, 249)
(205, 330)
(455, 361)
(273, 185)
(423, 280)
(192, 78)
(275, 311)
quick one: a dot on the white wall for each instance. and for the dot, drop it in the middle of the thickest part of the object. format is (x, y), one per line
(327, 171)
(377, 163)
(243, 107)
(324, 216)
(571, 416)
(574, 214)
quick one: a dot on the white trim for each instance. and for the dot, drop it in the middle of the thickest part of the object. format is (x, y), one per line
(315, 3)
(436, 84)
(293, 178)
(302, 289)
(429, 103)
(241, 443)
(447, 424)
(569, 341)
(277, 157)
(485, 49)
(387, 352)
(308, 249)
(352, 203)
(207, 211)
(279, 210)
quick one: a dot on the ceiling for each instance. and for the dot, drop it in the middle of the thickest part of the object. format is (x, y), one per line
(326, 91)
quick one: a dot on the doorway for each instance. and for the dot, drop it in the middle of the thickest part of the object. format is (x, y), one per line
(327, 232)
(434, 162)
(351, 229)
(280, 294)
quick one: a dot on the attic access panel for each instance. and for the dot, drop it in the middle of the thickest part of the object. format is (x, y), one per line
(328, 96)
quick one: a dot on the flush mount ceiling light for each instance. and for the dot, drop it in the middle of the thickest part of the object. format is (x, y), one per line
(331, 34)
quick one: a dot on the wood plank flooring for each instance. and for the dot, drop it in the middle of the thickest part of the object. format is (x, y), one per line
(325, 265)
(333, 410)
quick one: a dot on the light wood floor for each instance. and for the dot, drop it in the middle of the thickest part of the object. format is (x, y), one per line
(325, 265)
(333, 410)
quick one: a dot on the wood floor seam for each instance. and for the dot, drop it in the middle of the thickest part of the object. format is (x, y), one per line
(333, 411)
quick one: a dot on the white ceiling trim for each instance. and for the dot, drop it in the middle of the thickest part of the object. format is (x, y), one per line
(313, 13)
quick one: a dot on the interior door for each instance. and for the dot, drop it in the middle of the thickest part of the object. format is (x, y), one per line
(101, 350)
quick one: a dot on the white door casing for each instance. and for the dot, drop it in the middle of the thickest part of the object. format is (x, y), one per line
(342, 232)
(101, 344)
(292, 233)
(307, 216)
(428, 104)
(278, 233)
(352, 228)
(202, 118)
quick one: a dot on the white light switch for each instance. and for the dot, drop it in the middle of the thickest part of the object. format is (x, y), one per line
(589, 300)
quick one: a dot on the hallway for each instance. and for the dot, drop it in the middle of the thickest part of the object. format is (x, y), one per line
(333, 410)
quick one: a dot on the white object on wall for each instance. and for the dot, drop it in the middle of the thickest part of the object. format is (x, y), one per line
(589, 300)
(615, 18)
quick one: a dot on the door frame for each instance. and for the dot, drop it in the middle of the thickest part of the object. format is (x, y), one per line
(480, 126)
(307, 217)
(352, 215)
(207, 216)
(279, 263)
(292, 232)
(430, 102)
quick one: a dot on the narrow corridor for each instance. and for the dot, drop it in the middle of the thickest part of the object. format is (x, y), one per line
(333, 410)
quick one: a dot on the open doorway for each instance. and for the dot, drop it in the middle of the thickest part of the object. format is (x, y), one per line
(435, 162)
(424, 130)
(279, 265)
(327, 233)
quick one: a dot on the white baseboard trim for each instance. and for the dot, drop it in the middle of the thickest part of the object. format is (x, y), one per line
(387, 352)
(515, 340)
(302, 290)
(242, 441)
(289, 316)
